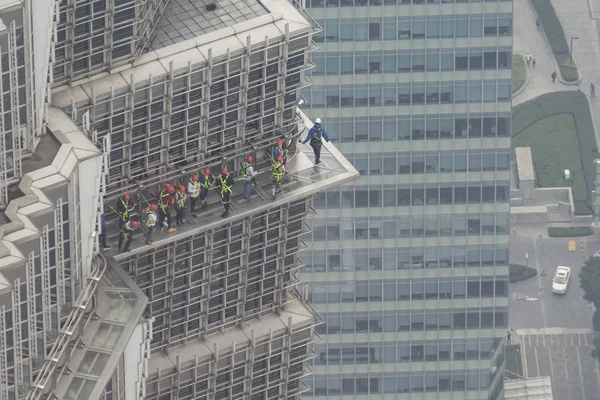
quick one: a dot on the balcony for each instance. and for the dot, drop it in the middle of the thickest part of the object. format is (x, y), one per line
(303, 180)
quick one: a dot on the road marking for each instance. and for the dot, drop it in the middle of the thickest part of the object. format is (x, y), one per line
(539, 281)
(585, 339)
(572, 341)
(537, 363)
(566, 372)
(580, 372)
(525, 372)
(551, 365)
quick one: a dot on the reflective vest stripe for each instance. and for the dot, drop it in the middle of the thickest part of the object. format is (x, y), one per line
(245, 166)
(224, 187)
(317, 136)
(161, 203)
(126, 211)
(206, 183)
(180, 202)
(148, 214)
(277, 172)
(197, 187)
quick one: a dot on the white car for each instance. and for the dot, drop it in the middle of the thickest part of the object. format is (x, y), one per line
(561, 280)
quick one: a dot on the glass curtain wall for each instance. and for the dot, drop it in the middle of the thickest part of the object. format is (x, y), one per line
(409, 265)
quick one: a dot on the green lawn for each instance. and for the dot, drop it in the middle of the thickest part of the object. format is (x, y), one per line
(553, 142)
(519, 72)
(559, 129)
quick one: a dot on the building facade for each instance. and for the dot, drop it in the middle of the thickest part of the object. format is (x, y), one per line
(213, 311)
(409, 264)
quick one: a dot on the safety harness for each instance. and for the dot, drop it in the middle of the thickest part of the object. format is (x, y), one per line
(197, 187)
(277, 172)
(181, 201)
(245, 167)
(224, 187)
(125, 215)
(126, 232)
(149, 222)
(317, 137)
(161, 203)
(206, 184)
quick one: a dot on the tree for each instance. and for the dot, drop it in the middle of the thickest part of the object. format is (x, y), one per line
(596, 348)
(589, 280)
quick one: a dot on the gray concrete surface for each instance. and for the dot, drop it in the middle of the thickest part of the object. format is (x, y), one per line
(549, 311)
(580, 18)
(528, 38)
(563, 354)
(555, 331)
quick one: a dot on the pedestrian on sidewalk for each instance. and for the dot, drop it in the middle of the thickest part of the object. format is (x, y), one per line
(538, 22)
(533, 60)
(528, 59)
(553, 76)
(509, 337)
(593, 89)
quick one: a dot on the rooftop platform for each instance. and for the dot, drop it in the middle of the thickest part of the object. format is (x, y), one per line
(185, 47)
(539, 388)
(187, 19)
(304, 179)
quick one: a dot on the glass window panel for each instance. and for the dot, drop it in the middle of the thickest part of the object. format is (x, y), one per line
(361, 29)
(346, 30)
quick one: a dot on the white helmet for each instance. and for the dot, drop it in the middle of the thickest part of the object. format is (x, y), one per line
(318, 121)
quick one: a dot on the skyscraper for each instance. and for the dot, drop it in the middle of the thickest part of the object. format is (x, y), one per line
(409, 264)
(134, 94)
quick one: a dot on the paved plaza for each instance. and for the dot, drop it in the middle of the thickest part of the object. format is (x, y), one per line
(555, 331)
(529, 38)
(563, 354)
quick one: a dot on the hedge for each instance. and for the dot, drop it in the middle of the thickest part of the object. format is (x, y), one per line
(576, 231)
(518, 273)
(519, 72)
(556, 38)
(576, 104)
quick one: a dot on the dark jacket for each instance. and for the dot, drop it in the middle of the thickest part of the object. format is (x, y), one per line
(313, 136)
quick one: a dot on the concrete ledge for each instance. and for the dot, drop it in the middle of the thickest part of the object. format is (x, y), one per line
(18, 210)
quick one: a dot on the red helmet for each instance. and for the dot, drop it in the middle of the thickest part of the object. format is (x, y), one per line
(134, 224)
(207, 172)
(153, 207)
(279, 143)
(181, 189)
(195, 178)
(224, 171)
(279, 158)
(170, 189)
(167, 185)
(126, 197)
(249, 159)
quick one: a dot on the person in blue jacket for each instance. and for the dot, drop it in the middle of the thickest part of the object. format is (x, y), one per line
(316, 134)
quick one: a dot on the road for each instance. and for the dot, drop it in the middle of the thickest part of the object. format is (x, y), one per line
(563, 354)
(555, 331)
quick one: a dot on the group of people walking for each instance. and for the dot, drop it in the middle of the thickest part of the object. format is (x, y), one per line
(158, 211)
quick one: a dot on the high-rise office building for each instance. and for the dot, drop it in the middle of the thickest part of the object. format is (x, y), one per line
(409, 264)
(134, 94)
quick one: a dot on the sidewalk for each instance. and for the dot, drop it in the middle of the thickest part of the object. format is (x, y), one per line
(529, 38)
(577, 19)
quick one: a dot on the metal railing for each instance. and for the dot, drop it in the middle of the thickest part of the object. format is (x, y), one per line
(71, 332)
